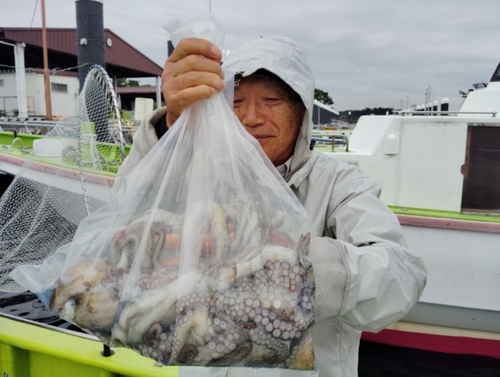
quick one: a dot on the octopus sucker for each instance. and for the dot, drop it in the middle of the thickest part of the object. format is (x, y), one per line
(302, 354)
(248, 302)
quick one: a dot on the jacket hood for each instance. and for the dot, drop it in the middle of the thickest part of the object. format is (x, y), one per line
(283, 57)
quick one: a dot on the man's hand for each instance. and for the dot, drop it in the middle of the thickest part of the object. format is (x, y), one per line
(191, 73)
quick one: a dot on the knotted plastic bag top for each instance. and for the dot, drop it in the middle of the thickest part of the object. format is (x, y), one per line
(200, 26)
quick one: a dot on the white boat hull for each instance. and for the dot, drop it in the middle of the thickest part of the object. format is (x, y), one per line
(462, 267)
(459, 310)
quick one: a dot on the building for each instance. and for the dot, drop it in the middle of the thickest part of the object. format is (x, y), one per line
(129, 94)
(122, 61)
(64, 91)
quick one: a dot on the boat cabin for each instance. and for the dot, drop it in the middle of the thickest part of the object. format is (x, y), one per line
(447, 161)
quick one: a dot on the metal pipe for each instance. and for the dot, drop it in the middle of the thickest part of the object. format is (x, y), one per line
(158, 92)
(346, 142)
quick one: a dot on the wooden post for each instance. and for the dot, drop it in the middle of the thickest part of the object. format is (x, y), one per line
(46, 73)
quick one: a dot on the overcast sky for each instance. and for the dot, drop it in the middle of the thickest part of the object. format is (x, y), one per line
(364, 53)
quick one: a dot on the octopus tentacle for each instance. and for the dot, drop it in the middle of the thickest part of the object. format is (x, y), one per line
(268, 253)
(157, 306)
(122, 252)
(236, 352)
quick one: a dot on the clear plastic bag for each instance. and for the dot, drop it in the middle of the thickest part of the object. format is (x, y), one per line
(200, 258)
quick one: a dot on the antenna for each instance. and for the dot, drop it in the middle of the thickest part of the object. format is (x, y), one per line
(210, 6)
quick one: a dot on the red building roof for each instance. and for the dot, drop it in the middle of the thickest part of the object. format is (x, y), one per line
(122, 59)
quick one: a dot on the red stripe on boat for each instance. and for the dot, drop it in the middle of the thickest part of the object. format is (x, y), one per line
(446, 223)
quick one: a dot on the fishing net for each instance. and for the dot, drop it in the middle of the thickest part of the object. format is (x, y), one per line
(65, 175)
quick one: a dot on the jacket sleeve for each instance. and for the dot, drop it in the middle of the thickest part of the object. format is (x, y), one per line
(144, 139)
(366, 275)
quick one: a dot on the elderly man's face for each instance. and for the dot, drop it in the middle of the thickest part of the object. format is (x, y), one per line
(267, 111)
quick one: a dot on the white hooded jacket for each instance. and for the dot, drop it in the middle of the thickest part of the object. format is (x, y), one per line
(366, 277)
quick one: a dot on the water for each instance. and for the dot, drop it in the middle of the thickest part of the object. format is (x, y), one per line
(375, 360)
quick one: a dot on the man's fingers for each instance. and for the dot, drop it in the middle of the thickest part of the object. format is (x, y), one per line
(187, 97)
(182, 91)
(195, 46)
(191, 73)
(195, 63)
(191, 63)
(196, 78)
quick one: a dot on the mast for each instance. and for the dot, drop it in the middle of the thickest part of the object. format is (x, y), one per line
(91, 50)
(89, 36)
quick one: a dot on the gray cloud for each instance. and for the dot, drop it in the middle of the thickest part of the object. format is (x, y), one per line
(364, 53)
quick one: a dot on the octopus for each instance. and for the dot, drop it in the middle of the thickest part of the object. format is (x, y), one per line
(248, 302)
(128, 243)
(86, 299)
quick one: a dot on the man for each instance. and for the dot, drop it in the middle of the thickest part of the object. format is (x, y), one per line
(366, 278)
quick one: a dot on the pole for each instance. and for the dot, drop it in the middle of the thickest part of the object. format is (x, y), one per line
(91, 51)
(46, 73)
(21, 80)
(22, 107)
(158, 92)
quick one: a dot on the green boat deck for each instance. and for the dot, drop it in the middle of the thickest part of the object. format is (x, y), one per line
(32, 350)
(21, 145)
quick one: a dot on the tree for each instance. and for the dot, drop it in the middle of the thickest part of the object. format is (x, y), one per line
(127, 83)
(322, 96)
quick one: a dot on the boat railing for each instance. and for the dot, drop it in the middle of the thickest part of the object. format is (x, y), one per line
(428, 112)
(42, 127)
(106, 352)
(332, 139)
(18, 141)
(345, 139)
(26, 126)
(50, 327)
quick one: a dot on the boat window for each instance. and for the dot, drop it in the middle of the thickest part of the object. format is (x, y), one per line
(481, 186)
(480, 85)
